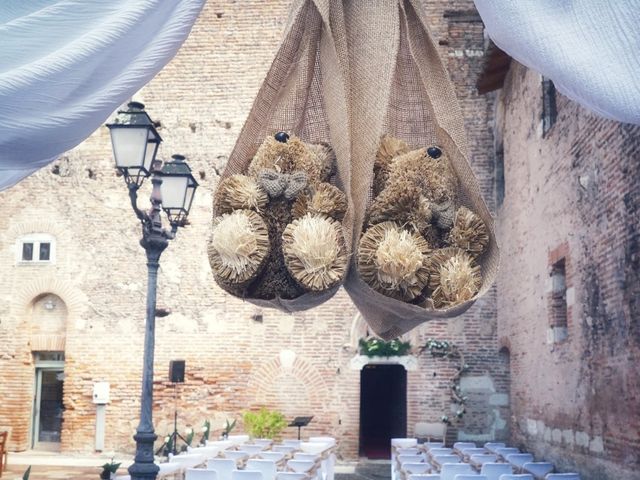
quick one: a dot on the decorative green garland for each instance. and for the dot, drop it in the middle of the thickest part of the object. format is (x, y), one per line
(446, 349)
(375, 347)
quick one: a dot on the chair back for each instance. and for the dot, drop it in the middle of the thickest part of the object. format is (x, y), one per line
(252, 449)
(188, 459)
(267, 467)
(516, 476)
(270, 455)
(410, 458)
(330, 440)
(208, 452)
(300, 466)
(200, 474)
(442, 459)
(450, 470)
(538, 469)
(265, 442)
(291, 476)
(235, 454)
(462, 445)
(504, 451)
(483, 458)
(408, 451)
(286, 449)
(413, 467)
(305, 456)
(470, 476)
(292, 442)
(222, 466)
(440, 451)
(246, 475)
(467, 452)
(492, 446)
(221, 444)
(519, 459)
(493, 470)
(238, 439)
(430, 445)
(428, 476)
(404, 442)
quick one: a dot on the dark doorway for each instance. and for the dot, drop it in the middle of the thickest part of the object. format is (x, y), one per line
(383, 408)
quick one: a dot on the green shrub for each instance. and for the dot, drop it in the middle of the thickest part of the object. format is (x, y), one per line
(264, 423)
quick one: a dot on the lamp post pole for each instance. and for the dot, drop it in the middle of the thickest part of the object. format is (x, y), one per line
(154, 241)
(135, 144)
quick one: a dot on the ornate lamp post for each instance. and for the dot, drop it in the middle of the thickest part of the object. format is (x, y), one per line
(135, 143)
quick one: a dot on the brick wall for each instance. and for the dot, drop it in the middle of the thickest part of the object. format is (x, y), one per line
(233, 362)
(573, 194)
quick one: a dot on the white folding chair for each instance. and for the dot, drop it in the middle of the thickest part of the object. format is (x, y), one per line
(518, 460)
(267, 467)
(440, 460)
(416, 468)
(502, 452)
(200, 474)
(478, 460)
(273, 456)
(467, 452)
(246, 475)
(291, 476)
(470, 476)
(235, 454)
(330, 440)
(563, 476)
(265, 442)
(252, 450)
(238, 439)
(539, 470)
(459, 446)
(440, 451)
(430, 445)
(516, 476)
(313, 447)
(306, 456)
(410, 458)
(450, 470)
(286, 449)
(404, 442)
(208, 452)
(221, 444)
(188, 460)
(492, 446)
(292, 442)
(493, 470)
(300, 466)
(222, 466)
(428, 476)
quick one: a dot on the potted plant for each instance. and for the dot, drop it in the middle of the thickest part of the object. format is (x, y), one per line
(109, 470)
(264, 423)
(227, 428)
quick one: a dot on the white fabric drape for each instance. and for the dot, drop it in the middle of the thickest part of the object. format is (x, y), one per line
(66, 65)
(589, 48)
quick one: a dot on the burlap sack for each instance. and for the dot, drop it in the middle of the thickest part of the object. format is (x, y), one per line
(399, 86)
(304, 93)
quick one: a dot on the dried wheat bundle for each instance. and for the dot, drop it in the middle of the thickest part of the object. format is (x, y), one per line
(238, 247)
(239, 192)
(314, 252)
(459, 281)
(326, 200)
(392, 260)
(469, 232)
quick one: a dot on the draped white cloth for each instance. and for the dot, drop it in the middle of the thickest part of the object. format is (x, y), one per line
(589, 48)
(66, 65)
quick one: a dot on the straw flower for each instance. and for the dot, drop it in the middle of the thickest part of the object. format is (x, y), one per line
(326, 200)
(389, 148)
(239, 246)
(469, 232)
(314, 252)
(403, 203)
(456, 279)
(239, 192)
(392, 261)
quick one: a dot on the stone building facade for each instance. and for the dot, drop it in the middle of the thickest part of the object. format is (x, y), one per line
(87, 300)
(569, 284)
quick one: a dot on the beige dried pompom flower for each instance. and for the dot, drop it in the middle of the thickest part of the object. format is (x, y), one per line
(238, 247)
(326, 200)
(469, 232)
(392, 261)
(455, 278)
(239, 192)
(314, 252)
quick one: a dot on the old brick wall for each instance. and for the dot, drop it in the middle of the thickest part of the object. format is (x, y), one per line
(572, 194)
(233, 361)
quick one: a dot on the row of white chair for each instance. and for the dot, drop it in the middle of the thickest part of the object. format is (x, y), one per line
(202, 474)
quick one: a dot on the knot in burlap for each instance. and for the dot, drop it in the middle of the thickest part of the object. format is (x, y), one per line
(277, 184)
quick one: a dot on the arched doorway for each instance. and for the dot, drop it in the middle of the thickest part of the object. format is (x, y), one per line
(383, 408)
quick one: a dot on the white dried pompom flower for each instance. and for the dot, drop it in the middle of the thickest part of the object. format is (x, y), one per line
(239, 246)
(314, 252)
(458, 280)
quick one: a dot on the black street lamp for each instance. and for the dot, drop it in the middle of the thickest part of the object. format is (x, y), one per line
(135, 143)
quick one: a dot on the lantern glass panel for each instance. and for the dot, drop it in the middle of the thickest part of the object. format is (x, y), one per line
(174, 190)
(130, 147)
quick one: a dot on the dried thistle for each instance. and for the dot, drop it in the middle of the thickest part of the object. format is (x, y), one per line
(327, 200)
(389, 148)
(238, 247)
(314, 252)
(392, 261)
(457, 279)
(239, 192)
(325, 157)
(401, 202)
(469, 232)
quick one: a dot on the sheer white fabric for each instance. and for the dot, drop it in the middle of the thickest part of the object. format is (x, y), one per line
(66, 65)
(589, 48)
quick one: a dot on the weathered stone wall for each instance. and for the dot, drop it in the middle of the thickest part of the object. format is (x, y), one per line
(572, 194)
(201, 100)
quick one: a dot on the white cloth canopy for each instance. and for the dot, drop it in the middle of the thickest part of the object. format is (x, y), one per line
(589, 48)
(66, 65)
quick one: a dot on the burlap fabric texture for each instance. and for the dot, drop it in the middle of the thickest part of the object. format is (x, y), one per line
(398, 86)
(304, 93)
